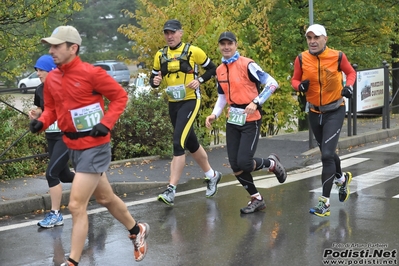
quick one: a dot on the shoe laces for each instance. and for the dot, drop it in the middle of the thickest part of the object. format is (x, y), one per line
(253, 199)
(169, 190)
(322, 206)
(49, 216)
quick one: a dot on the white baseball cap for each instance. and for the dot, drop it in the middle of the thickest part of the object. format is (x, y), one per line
(63, 34)
(317, 29)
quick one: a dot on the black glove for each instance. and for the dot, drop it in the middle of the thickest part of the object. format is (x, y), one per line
(35, 125)
(304, 86)
(99, 130)
(347, 92)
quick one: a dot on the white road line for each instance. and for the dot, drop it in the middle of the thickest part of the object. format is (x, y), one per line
(293, 176)
(369, 179)
(272, 182)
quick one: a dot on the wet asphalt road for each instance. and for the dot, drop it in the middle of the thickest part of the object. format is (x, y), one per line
(200, 231)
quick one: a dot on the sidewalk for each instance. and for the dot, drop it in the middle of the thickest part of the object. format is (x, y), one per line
(30, 194)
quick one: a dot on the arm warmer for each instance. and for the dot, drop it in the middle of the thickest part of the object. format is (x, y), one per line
(264, 78)
(219, 105)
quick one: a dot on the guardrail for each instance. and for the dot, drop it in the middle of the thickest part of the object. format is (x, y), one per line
(8, 90)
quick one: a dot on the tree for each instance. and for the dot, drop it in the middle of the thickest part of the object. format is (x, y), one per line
(219, 16)
(272, 33)
(22, 24)
(98, 24)
(148, 38)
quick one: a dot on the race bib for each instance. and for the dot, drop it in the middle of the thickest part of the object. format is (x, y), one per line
(53, 128)
(237, 116)
(85, 118)
(177, 92)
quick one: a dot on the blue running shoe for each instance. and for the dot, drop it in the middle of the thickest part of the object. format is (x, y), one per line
(51, 219)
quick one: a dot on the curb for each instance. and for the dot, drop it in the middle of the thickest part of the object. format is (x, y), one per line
(347, 142)
(35, 203)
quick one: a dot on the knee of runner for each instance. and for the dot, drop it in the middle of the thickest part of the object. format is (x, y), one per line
(193, 147)
(327, 156)
(104, 201)
(178, 150)
(76, 207)
(246, 165)
(52, 181)
(68, 178)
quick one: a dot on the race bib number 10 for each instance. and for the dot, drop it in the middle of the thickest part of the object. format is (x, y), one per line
(237, 116)
(85, 118)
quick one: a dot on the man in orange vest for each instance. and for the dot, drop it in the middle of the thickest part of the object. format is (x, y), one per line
(317, 74)
(240, 90)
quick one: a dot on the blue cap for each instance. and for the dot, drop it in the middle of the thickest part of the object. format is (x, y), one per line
(46, 63)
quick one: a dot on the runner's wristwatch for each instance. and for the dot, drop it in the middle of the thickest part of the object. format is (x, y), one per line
(256, 101)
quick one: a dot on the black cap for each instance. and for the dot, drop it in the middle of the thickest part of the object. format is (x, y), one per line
(227, 35)
(172, 24)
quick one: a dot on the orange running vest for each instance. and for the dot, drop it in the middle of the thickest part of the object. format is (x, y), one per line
(324, 75)
(236, 85)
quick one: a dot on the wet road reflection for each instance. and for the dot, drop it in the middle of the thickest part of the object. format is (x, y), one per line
(201, 231)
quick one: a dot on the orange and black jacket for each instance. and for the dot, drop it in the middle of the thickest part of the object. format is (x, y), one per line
(324, 74)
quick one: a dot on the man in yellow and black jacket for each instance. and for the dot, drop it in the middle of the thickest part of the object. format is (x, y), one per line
(178, 63)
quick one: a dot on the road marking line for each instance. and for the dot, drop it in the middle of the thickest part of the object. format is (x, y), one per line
(291, 176)
(369, 179)
(273, 182)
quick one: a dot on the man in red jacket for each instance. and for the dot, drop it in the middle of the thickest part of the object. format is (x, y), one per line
(74, 97)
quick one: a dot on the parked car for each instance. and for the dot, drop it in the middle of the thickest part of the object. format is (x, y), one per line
(31, 81)
(118, 70)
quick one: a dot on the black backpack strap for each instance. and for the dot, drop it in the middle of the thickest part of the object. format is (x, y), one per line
(300, 60)
(165, 52)
(339, 61)
(185, 49)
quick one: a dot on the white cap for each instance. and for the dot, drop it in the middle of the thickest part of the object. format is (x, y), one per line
(63, 34)
(317, 29)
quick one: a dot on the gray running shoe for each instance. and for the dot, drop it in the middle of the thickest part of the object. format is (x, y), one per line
(212, 184)
(278, 169)
(253, 206)
(168, 196)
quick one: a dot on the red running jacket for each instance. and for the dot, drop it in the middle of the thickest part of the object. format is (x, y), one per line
(75, 85)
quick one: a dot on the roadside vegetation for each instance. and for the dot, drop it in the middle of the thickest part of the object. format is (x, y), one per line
(271, 32)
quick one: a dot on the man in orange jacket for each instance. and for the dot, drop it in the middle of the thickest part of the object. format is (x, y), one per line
(317, 74)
